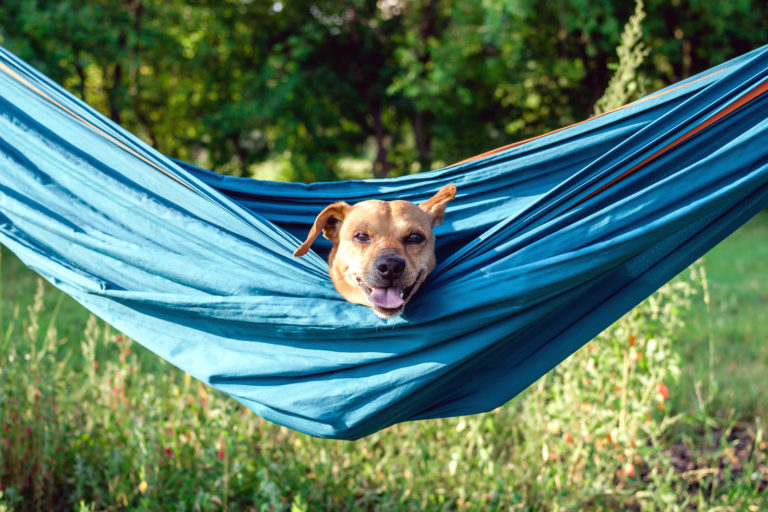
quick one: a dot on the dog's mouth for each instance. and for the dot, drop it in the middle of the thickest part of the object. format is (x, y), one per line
(389, 301)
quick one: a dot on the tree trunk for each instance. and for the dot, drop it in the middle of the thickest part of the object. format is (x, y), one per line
(112, 93)
(81, 75)
(420, 119)
(242, 154)
(115, 88)
(423, 141)
(381, 164)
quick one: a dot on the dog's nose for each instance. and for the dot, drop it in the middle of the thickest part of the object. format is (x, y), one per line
(390, 267)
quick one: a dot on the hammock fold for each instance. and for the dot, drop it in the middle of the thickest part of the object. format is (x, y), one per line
(547, 243)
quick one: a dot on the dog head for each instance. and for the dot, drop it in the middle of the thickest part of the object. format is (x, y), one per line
(382, 250)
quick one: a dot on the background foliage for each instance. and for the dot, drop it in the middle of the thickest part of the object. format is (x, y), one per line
(296, 89)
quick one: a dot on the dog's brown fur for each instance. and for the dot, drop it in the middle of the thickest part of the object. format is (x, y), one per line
(381, 249)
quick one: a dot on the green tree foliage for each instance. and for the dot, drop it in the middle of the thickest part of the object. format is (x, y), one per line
(307, 84)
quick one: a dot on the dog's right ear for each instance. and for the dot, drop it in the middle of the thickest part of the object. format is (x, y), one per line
(329, 222)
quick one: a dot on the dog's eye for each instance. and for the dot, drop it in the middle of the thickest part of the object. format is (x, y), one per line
(363, 238)
(414, 238)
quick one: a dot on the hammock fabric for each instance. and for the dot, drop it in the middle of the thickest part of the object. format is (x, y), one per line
(547, 243)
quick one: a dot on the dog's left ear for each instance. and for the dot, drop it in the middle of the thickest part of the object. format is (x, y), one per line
(328, 222)
(435, 205)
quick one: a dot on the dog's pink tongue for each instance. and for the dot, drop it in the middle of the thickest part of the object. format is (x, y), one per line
(386, 297)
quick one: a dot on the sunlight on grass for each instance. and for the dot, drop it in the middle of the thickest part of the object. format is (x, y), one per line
(280, 170)
(738, 272)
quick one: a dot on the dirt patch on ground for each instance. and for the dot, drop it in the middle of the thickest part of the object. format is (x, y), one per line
(737, 454)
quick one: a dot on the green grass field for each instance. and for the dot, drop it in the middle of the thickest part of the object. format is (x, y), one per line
(663, 411)
(734, 322)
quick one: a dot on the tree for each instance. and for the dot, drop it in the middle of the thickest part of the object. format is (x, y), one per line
(306, 84)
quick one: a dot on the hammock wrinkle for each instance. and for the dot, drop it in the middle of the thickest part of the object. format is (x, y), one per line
(548, 242)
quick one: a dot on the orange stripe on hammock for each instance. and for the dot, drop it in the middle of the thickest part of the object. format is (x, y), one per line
(26, 83)
(729, 109)
(647, 98)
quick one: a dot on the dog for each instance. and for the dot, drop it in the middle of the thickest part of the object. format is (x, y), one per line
(382, 250)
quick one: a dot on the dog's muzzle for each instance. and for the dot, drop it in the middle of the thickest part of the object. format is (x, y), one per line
(388, 297)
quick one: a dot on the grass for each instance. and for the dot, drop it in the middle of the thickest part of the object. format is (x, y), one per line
(734, 323)
(92, 421)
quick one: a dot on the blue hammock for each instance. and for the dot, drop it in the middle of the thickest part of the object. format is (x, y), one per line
(547, 243)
